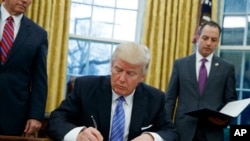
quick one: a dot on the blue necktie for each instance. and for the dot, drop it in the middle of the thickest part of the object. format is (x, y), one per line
(202, 75)
(118, 123)
(7, 39)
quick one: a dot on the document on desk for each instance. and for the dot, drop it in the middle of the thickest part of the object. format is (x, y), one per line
(230, 110)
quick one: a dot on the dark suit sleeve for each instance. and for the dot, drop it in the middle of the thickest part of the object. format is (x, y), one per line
(168, 131)
(62, 120)
(69, 114)
(39, 76)
(230, 87)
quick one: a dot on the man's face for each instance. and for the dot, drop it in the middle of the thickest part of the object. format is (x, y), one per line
(125, 77)
(16, 7)
(208, 40)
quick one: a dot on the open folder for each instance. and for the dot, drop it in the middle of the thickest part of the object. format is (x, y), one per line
(230, 110)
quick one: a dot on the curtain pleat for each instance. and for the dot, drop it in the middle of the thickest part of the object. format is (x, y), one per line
(169, 26)
(53, 15)
(215, 10)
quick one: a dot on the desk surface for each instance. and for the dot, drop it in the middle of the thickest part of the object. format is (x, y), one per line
(17, 138)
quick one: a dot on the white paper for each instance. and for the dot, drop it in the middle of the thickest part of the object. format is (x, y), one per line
(234, 108)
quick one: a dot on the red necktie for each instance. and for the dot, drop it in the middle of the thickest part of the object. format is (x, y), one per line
(7, 38)
(202, 75)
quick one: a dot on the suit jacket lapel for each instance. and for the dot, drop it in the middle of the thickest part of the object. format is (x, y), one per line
(213, 70)
(104, 106)
(192, 70)
(138, 112)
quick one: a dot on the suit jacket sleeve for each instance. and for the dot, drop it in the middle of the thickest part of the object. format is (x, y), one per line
(74, 110)
(39, 75)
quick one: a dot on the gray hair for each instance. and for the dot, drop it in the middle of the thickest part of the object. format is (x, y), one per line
(133, 53)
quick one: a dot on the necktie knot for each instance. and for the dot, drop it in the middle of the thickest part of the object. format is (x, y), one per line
(10, 19)
(120, 99)
(203, 60)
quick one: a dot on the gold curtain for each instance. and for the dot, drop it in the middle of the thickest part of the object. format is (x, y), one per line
(53, 15)
(169, 26)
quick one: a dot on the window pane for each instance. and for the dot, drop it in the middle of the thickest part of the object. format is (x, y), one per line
(129, 4)
(245, 114)
(80, 21)
(110, 3)
(103, 14)
(103, 20)
(248, 7)
(246, 80)
(101, 29)
(82, 1)
(248, 30)
(125, 24)
(99, 60)
(77, 57)
(235, 58)
(233, 30)
(236, 6)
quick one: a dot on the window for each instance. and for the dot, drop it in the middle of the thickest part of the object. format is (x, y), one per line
(235, 47)
(96, 27)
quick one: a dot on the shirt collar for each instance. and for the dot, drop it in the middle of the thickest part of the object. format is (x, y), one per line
(199, 57)
(128, 99)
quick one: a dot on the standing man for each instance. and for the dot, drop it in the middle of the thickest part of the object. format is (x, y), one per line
(23, 75)
(195, 92)
(89, 113)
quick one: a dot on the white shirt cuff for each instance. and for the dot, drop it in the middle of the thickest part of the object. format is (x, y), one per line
(156, 136)
(72, 134)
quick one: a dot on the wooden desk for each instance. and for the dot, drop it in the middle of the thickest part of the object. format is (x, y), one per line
(18, 138)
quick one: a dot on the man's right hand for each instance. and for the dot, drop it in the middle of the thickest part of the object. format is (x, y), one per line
(219, 122)
(89, 134)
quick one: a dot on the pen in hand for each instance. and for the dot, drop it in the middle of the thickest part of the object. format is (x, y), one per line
(95, 125)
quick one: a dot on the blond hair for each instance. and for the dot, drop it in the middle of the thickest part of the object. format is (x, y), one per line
(133, 53)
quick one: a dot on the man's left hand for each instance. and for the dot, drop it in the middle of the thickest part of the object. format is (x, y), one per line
(32, 126)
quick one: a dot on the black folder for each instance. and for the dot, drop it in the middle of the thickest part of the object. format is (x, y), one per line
(205, 113)
(230, 110)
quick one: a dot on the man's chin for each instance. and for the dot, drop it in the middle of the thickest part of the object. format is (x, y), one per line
(121, 92)
(20, 9)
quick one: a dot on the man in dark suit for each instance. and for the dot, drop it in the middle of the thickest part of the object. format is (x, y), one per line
(94, 98)
(23, 75)
(184, 86)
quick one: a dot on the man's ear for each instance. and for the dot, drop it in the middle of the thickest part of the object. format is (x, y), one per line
(143, 77)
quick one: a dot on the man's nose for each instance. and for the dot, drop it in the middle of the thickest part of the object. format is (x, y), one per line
(123, 77)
